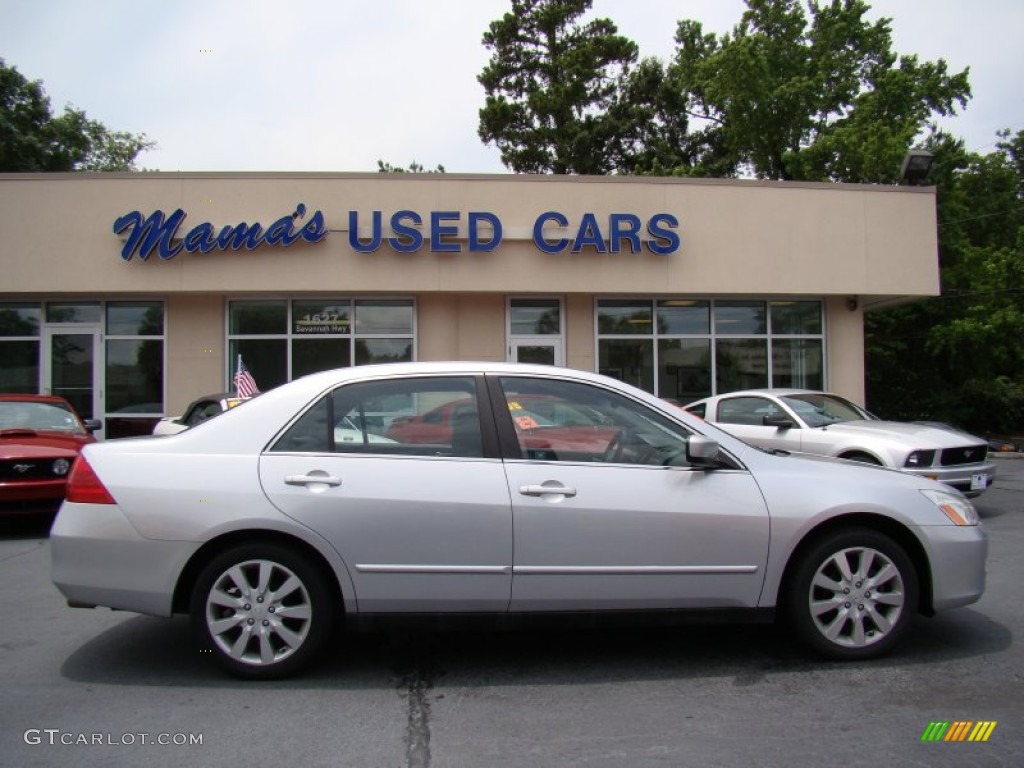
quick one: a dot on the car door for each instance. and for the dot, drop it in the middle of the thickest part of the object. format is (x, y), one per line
(421, 527)
(623, 522)
(743, 416)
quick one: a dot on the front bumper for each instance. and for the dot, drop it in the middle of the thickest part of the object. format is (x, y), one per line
(957, 555)
(964, 477)
(33, 490)
(99, 559)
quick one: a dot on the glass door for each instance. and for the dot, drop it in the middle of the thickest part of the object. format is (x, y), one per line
(72, 367)
(541, 350)
(535, 331)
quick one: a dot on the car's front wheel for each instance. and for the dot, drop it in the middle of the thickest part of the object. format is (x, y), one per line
(853, 594)
(262, 610)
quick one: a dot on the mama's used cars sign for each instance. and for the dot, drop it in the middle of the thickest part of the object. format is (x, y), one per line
(444, 231)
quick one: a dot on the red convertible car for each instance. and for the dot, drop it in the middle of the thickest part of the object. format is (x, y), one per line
(40, 438)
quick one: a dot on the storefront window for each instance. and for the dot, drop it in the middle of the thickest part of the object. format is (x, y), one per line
(135, 318)
(312, 355)
(684, 369)
(19, 319)
(740, 317)
(684, 316)
(741, 364)
(19, 347)
(797, 363)
(624, 317)
(376, 316)
(796, 317)
(135, 376)
(258, 317)
(383, 351)
(133, 367)
(280, 340)
(535, 317)
(63, 312)
(266, 360)
(19, 373)
(629, 360)
(697, 347)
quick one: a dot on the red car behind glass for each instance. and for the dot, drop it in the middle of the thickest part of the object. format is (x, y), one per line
(40, 437)
(547, 427)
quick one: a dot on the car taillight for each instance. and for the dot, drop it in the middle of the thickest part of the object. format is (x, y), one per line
(84, 487)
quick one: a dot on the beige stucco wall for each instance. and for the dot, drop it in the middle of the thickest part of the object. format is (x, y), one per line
(195, 348)
(844, 351)
(737, 239)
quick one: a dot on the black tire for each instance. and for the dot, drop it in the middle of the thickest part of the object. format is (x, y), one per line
(253, 628)
(859, 614)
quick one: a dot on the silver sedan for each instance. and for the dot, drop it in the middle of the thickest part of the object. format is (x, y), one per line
(268, 530)
(828, 425)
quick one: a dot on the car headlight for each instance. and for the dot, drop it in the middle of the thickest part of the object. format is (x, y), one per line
(920, 459)
(60, 467)
(958, 509)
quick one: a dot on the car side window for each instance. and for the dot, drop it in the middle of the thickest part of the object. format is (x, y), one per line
(407, 416)
(557, 420)
(698, 410)
(201, 412)
(748, 411)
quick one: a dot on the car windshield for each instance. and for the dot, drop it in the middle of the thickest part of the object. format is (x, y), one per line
(820, 410)
(22, 414)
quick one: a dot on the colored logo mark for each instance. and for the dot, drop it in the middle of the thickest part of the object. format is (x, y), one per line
(958, 730)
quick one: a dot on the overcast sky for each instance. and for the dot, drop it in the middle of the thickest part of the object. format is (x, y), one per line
(335, 85)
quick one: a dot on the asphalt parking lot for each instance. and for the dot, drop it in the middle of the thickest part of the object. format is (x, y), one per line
(97, 688)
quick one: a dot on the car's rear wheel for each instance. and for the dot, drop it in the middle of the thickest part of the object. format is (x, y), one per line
(853, 594)
(262, 610)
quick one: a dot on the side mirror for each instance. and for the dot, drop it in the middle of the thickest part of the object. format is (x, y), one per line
(780, 420)
(702, 451)
(92, 425)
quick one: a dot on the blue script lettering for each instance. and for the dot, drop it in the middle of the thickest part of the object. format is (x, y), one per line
(160, 233)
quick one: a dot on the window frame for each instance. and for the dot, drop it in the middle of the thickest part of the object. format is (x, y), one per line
(713, 335)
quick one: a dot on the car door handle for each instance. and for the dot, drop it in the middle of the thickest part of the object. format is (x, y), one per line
(545, 490)
(323, 479)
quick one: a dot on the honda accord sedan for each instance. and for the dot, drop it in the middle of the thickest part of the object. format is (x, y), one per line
(268, 530)
(829, 425)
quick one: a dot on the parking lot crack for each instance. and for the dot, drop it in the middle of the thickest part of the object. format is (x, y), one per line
(415, 683)
(24, 552)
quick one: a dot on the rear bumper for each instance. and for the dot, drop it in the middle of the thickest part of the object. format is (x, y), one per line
(99, 559)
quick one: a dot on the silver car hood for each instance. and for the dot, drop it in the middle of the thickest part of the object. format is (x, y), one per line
(920, 435)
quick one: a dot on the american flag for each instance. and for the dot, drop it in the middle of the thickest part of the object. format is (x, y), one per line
(245, 384)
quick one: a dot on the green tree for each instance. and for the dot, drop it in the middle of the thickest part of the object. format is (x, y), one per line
(958, 357)
(33, 139)
(819, 98)
(551, 84)
(414, 167)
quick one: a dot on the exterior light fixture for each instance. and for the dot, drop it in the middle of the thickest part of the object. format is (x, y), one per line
(917, 164)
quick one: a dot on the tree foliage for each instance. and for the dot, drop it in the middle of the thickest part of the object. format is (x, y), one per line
(32, 138)
(414, 167)
(958, 357)
(550, 84)
(814, 98)
(800, 89)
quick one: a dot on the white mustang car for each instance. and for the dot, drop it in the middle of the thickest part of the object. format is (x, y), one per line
(829, 425)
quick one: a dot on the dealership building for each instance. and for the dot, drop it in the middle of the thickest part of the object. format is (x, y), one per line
(132, 294)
